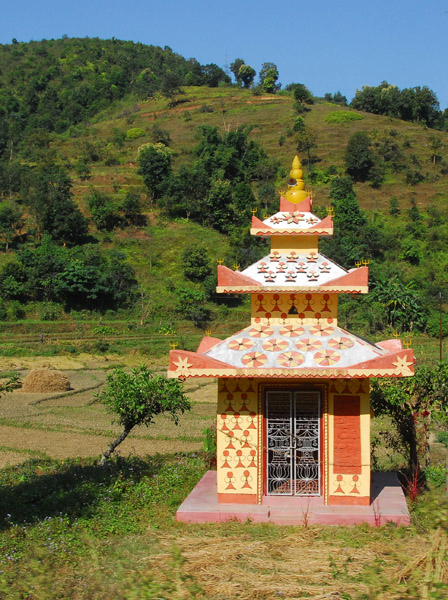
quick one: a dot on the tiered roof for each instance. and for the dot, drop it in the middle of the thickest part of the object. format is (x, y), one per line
(293, 345)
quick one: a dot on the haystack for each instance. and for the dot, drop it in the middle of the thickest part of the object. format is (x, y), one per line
(45, 380)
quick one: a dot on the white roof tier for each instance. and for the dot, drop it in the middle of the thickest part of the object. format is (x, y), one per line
(294, 270)
(294, 346)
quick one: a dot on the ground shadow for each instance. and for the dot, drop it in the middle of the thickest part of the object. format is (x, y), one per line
(39, 489)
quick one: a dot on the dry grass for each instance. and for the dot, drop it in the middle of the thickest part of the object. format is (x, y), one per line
(70, 424)
(45, 380)
(247, 562)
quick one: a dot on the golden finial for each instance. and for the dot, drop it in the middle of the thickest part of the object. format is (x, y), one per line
(296, 186)
(254, 211)
(281, 192)
(173, 345)
(219, 261)
(208, 332)
(407, 342)
(358, 263)
(365, 262)
(396, 334)
(330, 211)
(236, 267)
(265, 217)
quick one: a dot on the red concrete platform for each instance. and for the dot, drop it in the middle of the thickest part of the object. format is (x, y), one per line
(388, 504)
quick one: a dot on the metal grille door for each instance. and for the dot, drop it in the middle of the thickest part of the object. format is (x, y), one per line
(293, 443)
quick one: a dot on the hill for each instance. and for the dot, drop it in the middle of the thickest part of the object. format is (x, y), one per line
(402, 232)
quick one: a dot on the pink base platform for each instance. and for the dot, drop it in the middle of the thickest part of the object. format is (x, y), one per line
(388, 504)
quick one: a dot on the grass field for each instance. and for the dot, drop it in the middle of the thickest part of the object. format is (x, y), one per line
(71, 529)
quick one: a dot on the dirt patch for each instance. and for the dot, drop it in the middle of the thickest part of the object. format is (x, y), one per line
(45, 380)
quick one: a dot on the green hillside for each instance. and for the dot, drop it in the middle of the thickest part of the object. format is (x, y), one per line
(127, 232)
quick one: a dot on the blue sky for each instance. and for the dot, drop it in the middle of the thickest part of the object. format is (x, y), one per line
(328, 45)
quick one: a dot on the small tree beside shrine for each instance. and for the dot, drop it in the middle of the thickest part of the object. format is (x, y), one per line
(137, 397)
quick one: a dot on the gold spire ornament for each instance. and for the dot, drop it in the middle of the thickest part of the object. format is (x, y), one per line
(296, 186)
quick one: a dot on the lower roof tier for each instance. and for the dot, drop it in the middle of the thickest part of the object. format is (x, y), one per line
(318, 350)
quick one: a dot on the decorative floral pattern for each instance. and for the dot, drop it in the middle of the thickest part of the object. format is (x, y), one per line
(290, 359)
(254, 359)
(341, 343)
(261, 331)
(326, 358)
(240, 344)
(292, 331)
(321, 330)
(275, 345)
(308, 344)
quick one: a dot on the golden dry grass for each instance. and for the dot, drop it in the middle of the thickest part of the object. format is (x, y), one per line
(71, 424)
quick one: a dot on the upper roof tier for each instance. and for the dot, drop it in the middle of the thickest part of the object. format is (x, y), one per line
(293, 219)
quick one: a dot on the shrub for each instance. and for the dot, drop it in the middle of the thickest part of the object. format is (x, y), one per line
(343, 116)
(134, 133)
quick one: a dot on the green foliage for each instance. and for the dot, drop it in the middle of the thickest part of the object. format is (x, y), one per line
(358, 156)
(268, 78)
(356, 238)
(343, 116)
(402, 302)
(104, 210)
(412, 402)
(336, 98)
(436, 475)
(411, 104)
(246, 75)
(196, 263)
(433, 324)
(155, 167)
(136, 397)
(78, 277)
(55, 211)
(10, 221)
(52, 85)
(191, 304)
(394, 206)
(159, 135)
(134, 133)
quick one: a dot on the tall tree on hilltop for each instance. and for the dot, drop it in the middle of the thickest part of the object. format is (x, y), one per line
(246, 75)
(235, 68)
(269, 77)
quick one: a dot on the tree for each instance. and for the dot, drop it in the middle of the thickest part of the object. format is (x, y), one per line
(10, 221)
(268, 78)
(306, 141)
(402, 302)
(246, 75)
(56, 212)
(435, 143)
(196, 263)
(302, 96)
(358, 156)
(412, 403)
(103, 209)
(235, 68)
(155, 167)
(137, 397)
(212, 75)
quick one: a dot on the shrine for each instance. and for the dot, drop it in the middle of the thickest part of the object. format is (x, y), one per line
(293, 410)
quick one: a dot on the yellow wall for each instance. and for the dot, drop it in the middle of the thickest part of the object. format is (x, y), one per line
(296, 243)
(309, 305)
(240, 452)
(237, 437)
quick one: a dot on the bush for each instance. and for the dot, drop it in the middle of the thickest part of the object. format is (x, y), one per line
(343, 116)
(433, 325)
(134, 133)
